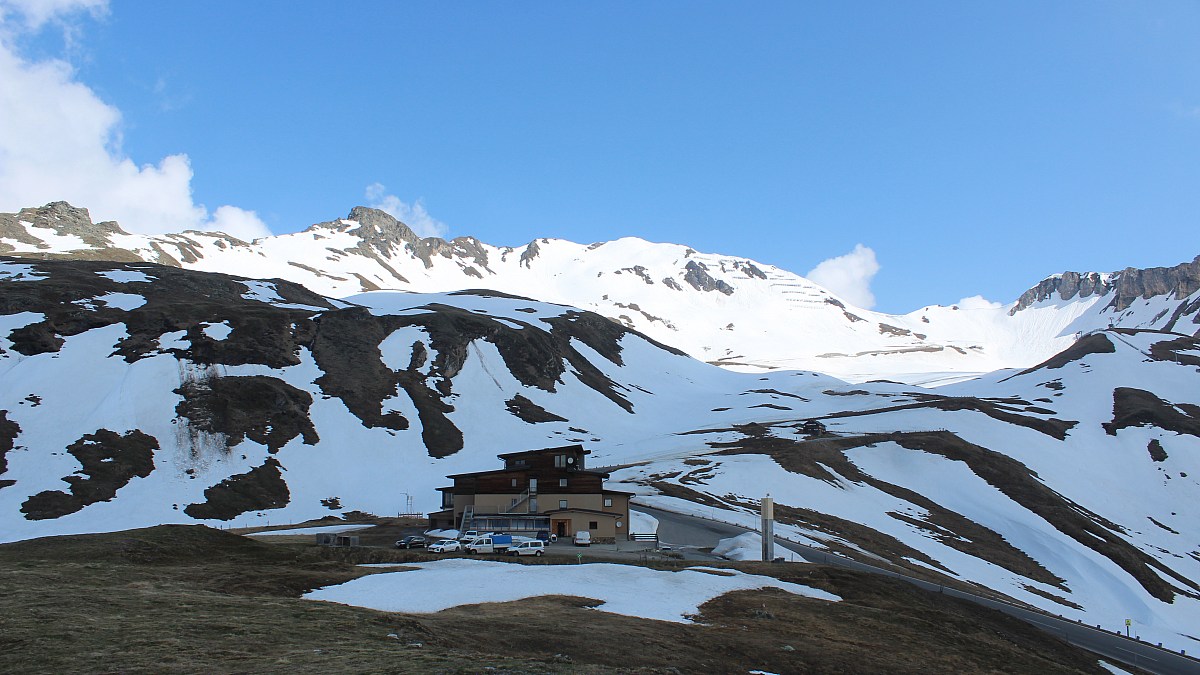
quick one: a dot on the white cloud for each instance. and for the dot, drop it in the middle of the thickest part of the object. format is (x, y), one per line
(33, 14)
(977, 302)
(414, 215)
(60, 142)
(849, 276)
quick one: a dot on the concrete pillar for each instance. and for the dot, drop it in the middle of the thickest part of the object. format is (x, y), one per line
(768, 529)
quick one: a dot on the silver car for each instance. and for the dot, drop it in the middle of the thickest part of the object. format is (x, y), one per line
(535, 547)
(445, 546)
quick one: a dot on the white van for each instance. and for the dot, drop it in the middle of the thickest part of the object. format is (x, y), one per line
(492, 543)
(583, 538)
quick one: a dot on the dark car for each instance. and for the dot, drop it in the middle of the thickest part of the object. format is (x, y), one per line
(411, 542)
(543, 535)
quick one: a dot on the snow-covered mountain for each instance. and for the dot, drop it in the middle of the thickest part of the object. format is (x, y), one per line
(724, 310)
(133, 394)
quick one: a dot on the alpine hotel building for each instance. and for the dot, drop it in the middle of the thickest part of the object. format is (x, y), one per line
(546, 489)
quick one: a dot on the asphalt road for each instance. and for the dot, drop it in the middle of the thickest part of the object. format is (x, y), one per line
(689, 531)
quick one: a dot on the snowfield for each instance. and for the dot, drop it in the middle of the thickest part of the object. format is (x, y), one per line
(621, 589)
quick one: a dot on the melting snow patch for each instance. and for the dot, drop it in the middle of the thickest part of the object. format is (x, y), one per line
(261, 291)
(174, 340)
(622, 589)
(265, 291)
(122, 301)
(218, 331)
(18, 272)
(310, 530)
(748, 546)
(125, 276)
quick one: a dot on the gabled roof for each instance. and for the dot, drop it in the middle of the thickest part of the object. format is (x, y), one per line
(603, 474)
(577, 447)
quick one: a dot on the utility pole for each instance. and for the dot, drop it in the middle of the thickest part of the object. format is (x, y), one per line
(768, 529)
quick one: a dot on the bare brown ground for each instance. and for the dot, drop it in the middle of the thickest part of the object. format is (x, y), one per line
(189, 600)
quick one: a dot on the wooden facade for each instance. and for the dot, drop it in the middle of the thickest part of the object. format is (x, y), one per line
(549, 489)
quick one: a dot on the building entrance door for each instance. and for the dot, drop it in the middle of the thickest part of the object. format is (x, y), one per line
(561, 527)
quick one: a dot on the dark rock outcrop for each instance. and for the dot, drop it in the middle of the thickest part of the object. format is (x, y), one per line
(698, 277)
(1138, 408)
(531, 251)
(1181, 281)
(530, 412)
(110, 460)
(265, 409)
(1125, 286)
(260, 488)
(8, 435)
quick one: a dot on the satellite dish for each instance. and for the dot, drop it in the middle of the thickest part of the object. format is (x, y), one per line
(570, 460)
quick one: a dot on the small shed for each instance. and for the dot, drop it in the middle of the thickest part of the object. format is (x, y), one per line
(336, 539)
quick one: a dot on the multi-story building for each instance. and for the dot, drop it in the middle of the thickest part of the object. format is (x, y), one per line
(546, 489)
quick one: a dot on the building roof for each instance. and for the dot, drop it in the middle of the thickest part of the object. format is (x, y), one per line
(521, 470)
(561, 448)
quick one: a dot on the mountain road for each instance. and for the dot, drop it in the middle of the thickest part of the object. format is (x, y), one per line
(681, 530)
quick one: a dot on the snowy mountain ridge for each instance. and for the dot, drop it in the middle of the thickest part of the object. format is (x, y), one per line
(724, 310)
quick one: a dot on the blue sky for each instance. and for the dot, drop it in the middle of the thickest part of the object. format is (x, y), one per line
(974, 148)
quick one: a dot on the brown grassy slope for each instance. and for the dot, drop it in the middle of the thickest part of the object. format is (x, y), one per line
(180, 599)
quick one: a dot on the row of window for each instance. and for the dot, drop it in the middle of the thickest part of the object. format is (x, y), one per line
(562, 503)
(562, 482)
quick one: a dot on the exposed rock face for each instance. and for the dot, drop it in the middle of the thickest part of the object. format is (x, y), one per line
(110, 460)
(61, 219)
(380, 226)
(1128, 285)
(265, 409)
(699, 278)
(1181, 280)
(260, 488)
(8, 433)
(531, 251)
(750, 269)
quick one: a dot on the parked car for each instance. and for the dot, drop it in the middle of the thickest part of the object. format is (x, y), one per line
(445, 546)
(544, 535)
(495, 543)
(470, 535)
(411, 542)
(535, 547)
(583, 538)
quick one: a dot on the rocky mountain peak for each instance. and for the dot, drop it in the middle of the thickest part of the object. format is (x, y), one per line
(1126, 286)
(375, 224)
(60, 217)
(1181, 281)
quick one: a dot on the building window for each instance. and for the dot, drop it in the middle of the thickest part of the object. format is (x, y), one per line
(562, 503)
(514, 482)
(593, 525)
(608, 501)
(560, 461)
(533, 505)
(562, 482)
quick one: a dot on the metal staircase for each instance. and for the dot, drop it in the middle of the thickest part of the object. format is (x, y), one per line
(522, 498)
(468, 518)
